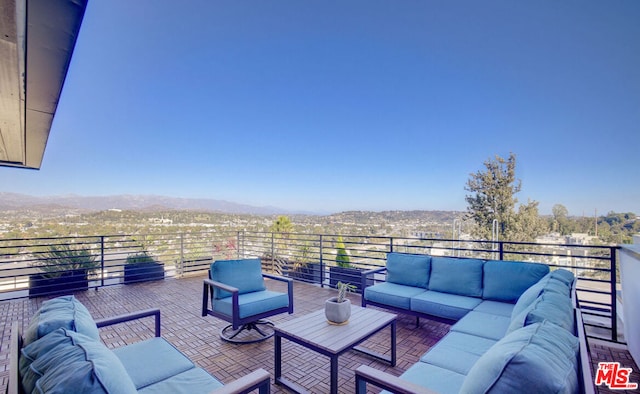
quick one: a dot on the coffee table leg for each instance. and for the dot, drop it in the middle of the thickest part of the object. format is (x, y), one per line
(393, 344)
(334, 374)
(278, 356)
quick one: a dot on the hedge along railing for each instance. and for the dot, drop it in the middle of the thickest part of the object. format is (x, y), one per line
(311, 258)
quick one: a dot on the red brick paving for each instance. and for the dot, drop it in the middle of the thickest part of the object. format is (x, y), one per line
(182, 324)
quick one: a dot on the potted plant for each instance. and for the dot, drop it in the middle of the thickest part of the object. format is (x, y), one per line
(338, 309)
(343, 270)
(141, 267)
(62, 270)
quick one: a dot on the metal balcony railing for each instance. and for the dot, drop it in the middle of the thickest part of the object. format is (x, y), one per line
(315, 258)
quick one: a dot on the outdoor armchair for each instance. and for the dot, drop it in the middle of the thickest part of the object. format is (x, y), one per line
(236, 292)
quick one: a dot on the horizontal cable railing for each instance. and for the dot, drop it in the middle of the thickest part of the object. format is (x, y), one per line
(30, 267)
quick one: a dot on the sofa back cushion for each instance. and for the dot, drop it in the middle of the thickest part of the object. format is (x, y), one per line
(540, 358)
(66, 361)
(549, 283)
(408, 269)
(245, 275)
(505, 281)
(551, 306)
(456, 276)
(66, 312)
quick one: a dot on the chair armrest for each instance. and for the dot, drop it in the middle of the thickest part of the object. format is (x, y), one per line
(289, 283)
(207, 286)
(221, 286)
(258, 379)
(132, 316)
(277, 277)
(366, 374)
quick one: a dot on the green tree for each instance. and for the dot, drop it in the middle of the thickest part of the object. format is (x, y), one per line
(527, 224)
(561, 219)
(493, 196)
(282, 225)
(342, 258)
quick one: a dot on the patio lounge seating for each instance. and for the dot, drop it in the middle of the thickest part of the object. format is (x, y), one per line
(61, 351)
(238, 295)
(516, 330)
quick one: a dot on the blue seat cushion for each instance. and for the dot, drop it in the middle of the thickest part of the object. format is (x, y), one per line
(251, 304)
(495, 308)
(408, 269)
(554, 307)
(392, 294)
(448, 306)
(506, 280)
(484, 325)
(441, 380)
(67, 361)
(245, 275)
(540, 358)
(194, 380)
(166, 360)
(61, 312)
(457, 351)
(456, 276)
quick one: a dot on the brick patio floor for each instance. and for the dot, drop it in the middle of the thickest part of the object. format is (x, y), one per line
(180, 301)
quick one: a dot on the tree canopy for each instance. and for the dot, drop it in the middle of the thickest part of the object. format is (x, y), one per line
(493, 197)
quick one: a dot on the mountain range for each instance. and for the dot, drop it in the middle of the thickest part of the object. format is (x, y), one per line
(13, 201)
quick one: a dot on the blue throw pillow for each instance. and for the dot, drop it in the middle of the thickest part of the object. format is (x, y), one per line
(505, 281)
(245, 275)
(66, 312)
(540, 358)
(408, 269)
(66, 361)
(546, 284)
(563, 275)
(551, 306)
(456, 276)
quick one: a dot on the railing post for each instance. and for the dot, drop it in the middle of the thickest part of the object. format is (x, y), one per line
(501, 246)
(238, 245)
(390, 244)
(101, 261)
(181, 265)
(321, 263)
(614, 307)
(273, 253)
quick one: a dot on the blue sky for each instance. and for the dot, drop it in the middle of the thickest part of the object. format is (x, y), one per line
(349, 105)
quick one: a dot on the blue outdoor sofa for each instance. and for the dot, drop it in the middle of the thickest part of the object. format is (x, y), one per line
(61, 351)
(515, 326)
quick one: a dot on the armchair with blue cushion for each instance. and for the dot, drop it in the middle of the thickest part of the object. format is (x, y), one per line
(238, 295)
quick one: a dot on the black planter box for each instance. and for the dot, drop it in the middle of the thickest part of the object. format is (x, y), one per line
(143, 272)
(352, 276)
(67, 282)
(309, 272)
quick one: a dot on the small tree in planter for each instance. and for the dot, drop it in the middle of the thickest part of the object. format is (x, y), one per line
(63, 269)
(141, 267)
(343, 271)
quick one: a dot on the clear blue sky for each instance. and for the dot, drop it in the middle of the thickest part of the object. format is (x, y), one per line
(341, 105)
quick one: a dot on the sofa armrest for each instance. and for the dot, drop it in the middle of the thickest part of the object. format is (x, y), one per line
(373, 271)
(366, 374)
(15, 344)
(258, 379)
(132, 316)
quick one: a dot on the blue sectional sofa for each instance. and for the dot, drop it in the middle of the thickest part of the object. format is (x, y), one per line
(516, 328)
(61, 351)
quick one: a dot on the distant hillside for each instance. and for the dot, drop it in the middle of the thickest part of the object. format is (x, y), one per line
(13, 201)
